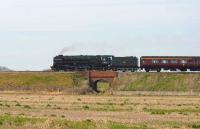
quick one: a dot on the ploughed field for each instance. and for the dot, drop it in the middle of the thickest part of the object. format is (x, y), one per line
(60, 111)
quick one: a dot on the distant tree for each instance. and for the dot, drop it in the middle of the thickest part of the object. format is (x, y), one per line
(2, 68)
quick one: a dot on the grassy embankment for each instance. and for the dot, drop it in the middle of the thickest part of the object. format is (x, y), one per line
(158, 82)
(40, 81)
(125, 82)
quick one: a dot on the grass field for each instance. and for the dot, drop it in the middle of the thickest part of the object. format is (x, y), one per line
(59, 111)
(39, 100)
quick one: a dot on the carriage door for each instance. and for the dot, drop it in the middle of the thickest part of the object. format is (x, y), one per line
(197, 62)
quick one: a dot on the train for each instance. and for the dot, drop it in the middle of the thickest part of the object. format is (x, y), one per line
(128, 63)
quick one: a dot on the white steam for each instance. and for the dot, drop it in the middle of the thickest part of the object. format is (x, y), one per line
(67, 49)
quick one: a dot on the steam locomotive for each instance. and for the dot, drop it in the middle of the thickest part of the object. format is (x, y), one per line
(129, 63)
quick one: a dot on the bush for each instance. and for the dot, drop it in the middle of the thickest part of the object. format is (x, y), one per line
(27, 106)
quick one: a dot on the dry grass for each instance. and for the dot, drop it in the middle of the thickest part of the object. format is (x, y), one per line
(158, 82)
(135, 111)
(39, 81)
(67, 82)
(12, 122)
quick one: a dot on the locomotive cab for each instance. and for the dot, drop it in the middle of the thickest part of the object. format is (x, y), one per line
(106, 60)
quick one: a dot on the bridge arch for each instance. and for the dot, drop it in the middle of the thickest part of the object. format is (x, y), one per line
(99, 76)
(96, 85)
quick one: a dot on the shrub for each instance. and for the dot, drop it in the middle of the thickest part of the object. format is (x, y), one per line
(195, 126)
(27, 106)
(86, 107)
(18, 105)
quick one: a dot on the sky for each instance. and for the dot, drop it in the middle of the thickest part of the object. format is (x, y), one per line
(32, 32)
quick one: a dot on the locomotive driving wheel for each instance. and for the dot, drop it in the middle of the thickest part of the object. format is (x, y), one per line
(147, 69)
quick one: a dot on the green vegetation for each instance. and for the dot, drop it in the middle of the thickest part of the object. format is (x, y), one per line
(169, 111)
(121, 126)
(158, 82)
(103, 86)
(76, 80)
(18, 105)
(60, 111)
(39, 81)
(54, 81)
(19, 122)
(196, 126)
(27, 106)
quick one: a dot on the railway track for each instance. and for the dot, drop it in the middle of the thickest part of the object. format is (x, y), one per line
(178, 72)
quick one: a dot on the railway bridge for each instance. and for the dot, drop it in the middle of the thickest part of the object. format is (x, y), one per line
(97, 76)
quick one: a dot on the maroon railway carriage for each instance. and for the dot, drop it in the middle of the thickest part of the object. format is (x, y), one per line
(171, 63)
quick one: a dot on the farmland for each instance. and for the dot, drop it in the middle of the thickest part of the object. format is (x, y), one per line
(60, 111)
(58, 100)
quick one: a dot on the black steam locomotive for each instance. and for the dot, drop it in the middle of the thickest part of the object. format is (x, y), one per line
(97, 62)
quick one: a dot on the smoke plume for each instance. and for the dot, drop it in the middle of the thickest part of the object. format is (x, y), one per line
(67, 49)
(90, 48)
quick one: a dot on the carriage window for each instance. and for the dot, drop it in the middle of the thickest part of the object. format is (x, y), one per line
(155, 61)
(124, 62)
(183, 61)
(174, 61)
(164, 61)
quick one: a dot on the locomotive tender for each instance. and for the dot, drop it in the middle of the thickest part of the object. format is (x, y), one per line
(129, 63)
